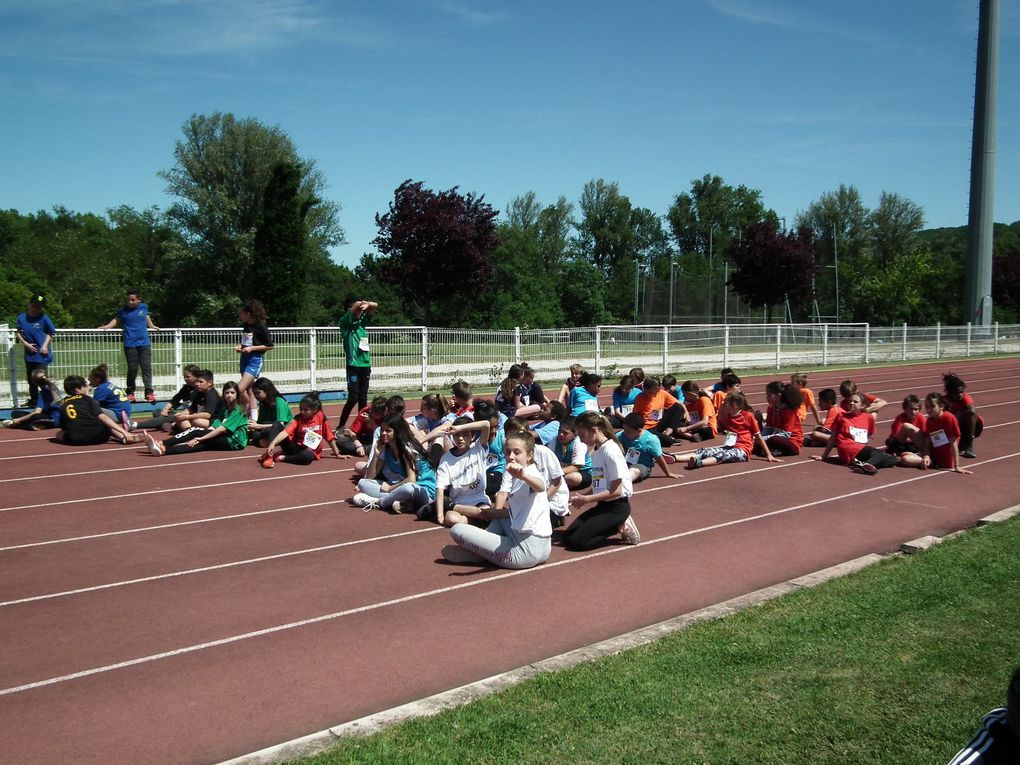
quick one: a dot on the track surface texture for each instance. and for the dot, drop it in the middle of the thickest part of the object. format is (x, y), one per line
(191, 609)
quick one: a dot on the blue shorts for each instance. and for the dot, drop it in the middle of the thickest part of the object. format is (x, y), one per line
(251, 364)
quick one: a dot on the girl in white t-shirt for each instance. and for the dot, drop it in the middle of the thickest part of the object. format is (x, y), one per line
(460, 477)
(520, 534)
(611, 486)
(549, 466)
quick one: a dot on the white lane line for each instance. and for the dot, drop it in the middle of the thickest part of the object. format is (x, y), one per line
(131, 495)
(613, 550)
(219, 566)
(161, 464)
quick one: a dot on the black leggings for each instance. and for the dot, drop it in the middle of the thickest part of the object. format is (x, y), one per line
(178, 444)
(595, 526)
(875, 457)
(293, 453)
(358, 379)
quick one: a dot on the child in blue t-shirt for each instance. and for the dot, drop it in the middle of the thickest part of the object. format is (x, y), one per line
(46, 413)
(585, 396)
(624, 396)
(642, 449)
(135, 319)
(112, 398)
(35, 331)
(575, 461)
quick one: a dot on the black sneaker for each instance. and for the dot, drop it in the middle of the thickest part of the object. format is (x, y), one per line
(968, 453)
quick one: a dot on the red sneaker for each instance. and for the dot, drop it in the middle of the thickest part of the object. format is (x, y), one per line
(267, 462)
(150, 397)
(131, 397)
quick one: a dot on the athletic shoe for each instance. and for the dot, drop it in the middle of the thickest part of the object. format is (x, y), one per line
(156, 448)
(126, 421)
(629, 532)
(365, 501)
(8, 423)
(131, 397)
(670, 459)
(280, 457)
(267, 461)
(150, 397)
(968, 453)
(865, 468)
(458, 554)
(397, 507)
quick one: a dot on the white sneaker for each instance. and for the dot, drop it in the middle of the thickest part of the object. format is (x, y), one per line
(629, 532)
(155, 447)
(458, 554)
(366, 501)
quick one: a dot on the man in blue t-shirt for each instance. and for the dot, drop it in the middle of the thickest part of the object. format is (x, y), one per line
(134, 317)
(35, 332)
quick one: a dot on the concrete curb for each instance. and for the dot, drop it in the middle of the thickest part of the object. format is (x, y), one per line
(316, 743)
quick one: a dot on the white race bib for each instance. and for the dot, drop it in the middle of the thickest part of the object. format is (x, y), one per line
(526, 400)
(730, 439)
(311, 440)
(939, 438)
(655, 414)
(246, 340)
(626, 409)
(363, 345)
(632, 456)
(695, 417)
(598, 480)
(859, 435)
(591, 405)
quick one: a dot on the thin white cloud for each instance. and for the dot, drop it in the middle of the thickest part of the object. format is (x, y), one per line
(470, 14)
(778, 15)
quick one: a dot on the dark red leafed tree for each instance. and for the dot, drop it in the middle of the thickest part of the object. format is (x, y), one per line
(438, 248)
(771, 266)
(1006, 280)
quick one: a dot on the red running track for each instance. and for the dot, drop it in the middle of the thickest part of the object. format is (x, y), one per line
(191, 610)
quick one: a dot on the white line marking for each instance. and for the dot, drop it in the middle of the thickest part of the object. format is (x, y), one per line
(161, 464)
(461, 586)
(219, 566)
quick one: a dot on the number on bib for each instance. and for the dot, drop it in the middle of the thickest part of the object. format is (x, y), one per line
(311, 440)
(730, 439)
(632, 456)
(939, 438)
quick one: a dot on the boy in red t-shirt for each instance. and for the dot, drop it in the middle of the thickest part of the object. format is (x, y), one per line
(941, 433)
(827, 402)
(962, 406)
(906, 428)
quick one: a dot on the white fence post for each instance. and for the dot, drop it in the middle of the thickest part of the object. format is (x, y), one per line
(517, 345)
(779, 345)
(938, 339)
(995, 340)
(968, 339)
(598, 349)
(313, 358)
(179, 358)
(904, 341)
(665, 349)
(825, 345)
(726, 346)
(424, 359)
(867, 343)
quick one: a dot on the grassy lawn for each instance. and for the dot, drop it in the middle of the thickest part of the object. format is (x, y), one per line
(895, 664)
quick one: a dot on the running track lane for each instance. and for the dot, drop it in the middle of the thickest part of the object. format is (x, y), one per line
(620, 571)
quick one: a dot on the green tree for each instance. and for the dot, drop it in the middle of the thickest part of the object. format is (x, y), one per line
(221, 170)
(894, 225)
(606, 239)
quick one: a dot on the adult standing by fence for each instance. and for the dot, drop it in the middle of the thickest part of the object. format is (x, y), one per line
(134, 317)
(359, 355)
(35, 332)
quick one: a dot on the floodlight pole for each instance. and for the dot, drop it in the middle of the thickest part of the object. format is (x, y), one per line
(977, 295)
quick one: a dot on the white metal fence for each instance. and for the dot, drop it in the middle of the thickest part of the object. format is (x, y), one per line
(423, 358)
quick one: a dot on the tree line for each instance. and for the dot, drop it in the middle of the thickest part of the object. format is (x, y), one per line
(250, 219)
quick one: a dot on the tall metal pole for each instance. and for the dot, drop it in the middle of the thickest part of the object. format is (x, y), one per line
(672, 265)
(977, 295)
(711, 312)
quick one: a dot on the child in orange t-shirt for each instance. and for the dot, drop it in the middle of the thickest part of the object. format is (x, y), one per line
(799, 379)
(742, 435)
(820, 435)
(703, 424)
(730, 383)
(662, 412)
(783, 431)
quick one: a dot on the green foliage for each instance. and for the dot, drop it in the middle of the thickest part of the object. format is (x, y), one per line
(582, 294)
(714, 213)
(279, 272)
(527, 294)
(902, 291)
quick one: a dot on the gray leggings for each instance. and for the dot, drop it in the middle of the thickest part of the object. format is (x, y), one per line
(500, 544)
(406, 492)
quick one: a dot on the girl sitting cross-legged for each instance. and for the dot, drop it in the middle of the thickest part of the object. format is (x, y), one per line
(399, 477)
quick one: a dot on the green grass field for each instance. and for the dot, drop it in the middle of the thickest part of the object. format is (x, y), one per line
(895, 664)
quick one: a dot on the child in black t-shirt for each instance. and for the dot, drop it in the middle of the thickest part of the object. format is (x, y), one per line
(82, 420)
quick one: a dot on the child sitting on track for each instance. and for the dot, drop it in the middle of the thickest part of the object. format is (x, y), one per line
(642, 449)
(703, 423)
(624, 396)
(82, 420)
(273, 408)
(870, 403)
(46, 413)
(520, 532)
(729, 383)
(904, 436)
(112, 398)
(460, 477)
(799, 379)
(585, 396)
(941, 436)
(186, 397)
(820, 435)
(572, 454)
(399, 475)
(227, 431)
(576, 370)
(610, 491)
(301, 438)
(742, 433)
(549, 467)
(962, 406)
(850, 433)
(783, 432)
(662, 412)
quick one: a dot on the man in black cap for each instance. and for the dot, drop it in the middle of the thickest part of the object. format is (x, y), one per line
(35, 331)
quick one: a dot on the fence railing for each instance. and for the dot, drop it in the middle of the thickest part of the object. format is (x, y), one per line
(426, 358)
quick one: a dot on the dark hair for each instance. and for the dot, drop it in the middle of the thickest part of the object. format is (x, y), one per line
(256, 310)
(911, 399)
(395, 405)
(738, 398)
(265, 385)
(231, 385)
(730, 380)
(72, 383)
(692, 387)
(310, 401)
(634, 421)
(403, 442)
(349, 301)
(378, 405)
(623, 381)
(463, 421)
(513, 376)
(589, 378)
(937, 398)
(568, 423)
(556, 411)
(460, 389)
(638, 374)
(437, 402)
(724, 372)
(652, 384)
(516, 425)
(789, 395)
(100, 374)
(192, 369)
(485, 410)
(847, 388)
(828, 395)
(132, 291)
(205, 374)
(952, 383)
(669, 381)
(595, 421)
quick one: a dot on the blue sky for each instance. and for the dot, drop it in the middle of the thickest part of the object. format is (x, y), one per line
(789, 97)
